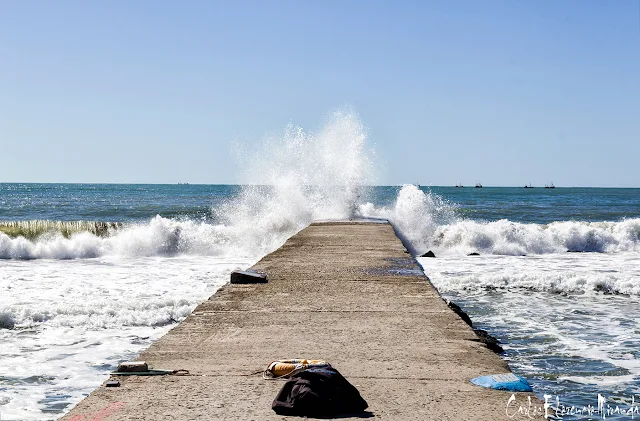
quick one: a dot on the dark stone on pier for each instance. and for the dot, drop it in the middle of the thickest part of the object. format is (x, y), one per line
(248, 277)
(460, 312)
(473, 254)
(428, 254)
(6, 321)
(490, 341)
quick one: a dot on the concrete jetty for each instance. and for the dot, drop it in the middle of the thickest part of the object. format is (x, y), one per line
(344, 292)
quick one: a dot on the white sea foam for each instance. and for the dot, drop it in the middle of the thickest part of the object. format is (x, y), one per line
(513, 238)
(567, 273)
(429, 222)
(562, 318)
(107, 292)
(159, 237)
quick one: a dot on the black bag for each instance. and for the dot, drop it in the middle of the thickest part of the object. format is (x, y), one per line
(318, 392)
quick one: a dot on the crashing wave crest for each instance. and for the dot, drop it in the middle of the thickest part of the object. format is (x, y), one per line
(290, 182)
(427, 222)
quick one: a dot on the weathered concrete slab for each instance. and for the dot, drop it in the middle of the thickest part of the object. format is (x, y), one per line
(347, 293)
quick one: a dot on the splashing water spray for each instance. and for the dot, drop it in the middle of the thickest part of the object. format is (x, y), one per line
(301, 177)
(289, 181)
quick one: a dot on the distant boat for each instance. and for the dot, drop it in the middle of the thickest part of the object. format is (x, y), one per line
(550, 186)
(459, 185)
(529, 186)
(478, 186)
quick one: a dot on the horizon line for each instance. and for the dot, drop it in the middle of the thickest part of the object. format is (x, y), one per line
(470, 186)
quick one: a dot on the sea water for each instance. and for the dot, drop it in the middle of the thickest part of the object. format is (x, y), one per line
(556, 278)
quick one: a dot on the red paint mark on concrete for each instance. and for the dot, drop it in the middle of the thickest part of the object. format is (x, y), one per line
(101, 414)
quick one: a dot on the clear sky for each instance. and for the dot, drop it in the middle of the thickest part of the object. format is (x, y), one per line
(499, 92)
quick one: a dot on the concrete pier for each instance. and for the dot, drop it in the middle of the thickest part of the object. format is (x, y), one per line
(347, 293)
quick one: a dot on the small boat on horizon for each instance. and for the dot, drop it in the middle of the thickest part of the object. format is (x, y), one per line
(478, 186)
(529, 186)
(459, 185)
(550, 186)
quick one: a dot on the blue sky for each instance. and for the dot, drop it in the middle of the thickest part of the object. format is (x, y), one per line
(500, 92)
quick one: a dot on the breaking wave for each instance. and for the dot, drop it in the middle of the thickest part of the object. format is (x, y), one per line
(291, 180)
(261, 218)
(513, 238)
(36, 228)
(296, 178)
(161, 236)
(427, 222)
(416, 215)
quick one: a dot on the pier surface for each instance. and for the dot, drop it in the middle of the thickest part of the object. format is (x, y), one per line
(344, 292)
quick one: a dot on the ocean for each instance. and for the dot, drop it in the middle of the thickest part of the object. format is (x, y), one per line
(91, 274)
